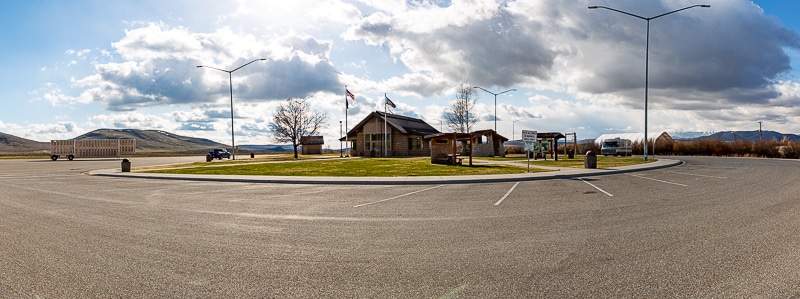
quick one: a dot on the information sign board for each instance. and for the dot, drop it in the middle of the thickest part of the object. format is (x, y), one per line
(529, 137)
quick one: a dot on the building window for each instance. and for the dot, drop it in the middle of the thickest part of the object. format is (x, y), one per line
(414, 143)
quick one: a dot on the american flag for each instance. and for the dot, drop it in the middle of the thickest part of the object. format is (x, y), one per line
(390, 103)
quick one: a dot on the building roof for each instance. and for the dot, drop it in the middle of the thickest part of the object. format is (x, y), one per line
(311, 140)
(634, 137)
(466, 136)
(549, 135)
(403, 124)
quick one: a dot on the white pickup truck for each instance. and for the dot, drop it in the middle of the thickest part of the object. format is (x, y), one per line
(92, 148)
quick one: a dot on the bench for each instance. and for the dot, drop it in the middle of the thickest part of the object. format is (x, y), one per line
(454, 160)
(448, 160)
(442, 160)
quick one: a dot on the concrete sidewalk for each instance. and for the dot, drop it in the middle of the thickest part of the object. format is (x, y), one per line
(557, 173)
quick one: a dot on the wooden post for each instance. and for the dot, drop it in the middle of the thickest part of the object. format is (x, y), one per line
(470, 149)
(455, 139)
(555, 148)
(575, 142)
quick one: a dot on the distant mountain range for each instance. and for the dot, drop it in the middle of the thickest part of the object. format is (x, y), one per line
(147, 141)
(749, 135)
(270, 148)
(156, 141)
(688, 135)
(724, 136)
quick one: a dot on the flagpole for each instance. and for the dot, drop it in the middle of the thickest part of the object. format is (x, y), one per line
(346, 135)
(385, 150)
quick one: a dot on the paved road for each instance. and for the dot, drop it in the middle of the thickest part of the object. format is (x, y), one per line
(713, 227)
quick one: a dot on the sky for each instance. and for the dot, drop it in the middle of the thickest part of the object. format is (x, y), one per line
(71, 67)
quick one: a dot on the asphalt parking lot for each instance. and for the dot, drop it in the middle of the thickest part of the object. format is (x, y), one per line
(712, 227)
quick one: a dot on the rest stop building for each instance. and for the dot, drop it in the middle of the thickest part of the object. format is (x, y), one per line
(412, 137)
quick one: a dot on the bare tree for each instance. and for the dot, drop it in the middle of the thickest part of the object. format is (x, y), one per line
(293, 120)
(461, 117)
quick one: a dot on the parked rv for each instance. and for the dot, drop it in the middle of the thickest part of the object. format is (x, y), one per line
(616, 147)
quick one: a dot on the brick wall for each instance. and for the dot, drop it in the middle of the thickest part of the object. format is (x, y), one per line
(440, 150)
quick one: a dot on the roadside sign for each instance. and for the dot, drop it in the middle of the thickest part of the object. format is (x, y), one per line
(529, 137)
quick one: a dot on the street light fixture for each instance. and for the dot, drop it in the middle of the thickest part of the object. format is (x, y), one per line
(513, 130)
(441, 124)
(647, 58)
(230, 80)
(495, 103)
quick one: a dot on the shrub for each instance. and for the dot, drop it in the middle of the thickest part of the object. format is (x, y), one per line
(515, 149)
(588, 146)
(738, 148)
(791, 150)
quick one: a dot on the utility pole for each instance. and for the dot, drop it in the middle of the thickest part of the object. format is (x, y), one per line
(760, 133)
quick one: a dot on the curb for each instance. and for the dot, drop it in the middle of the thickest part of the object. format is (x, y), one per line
(563, 173)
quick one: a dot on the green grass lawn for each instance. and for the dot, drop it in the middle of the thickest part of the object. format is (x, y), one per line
(356, 167)
(331, 165)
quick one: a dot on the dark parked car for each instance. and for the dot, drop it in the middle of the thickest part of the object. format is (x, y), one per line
(219, 153)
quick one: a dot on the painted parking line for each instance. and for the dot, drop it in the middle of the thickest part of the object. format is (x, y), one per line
(507, 193)
(598, 188)
(396, 197)
(660, 181)
(700, 175)
(285, 195)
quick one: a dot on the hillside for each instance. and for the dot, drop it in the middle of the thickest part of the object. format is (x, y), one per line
(147, 141)
(156, 141)
(10, 144)
(749, 135)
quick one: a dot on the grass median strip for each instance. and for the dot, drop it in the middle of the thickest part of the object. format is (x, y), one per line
(350, 167)
(328, 165)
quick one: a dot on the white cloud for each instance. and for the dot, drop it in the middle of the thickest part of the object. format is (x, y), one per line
(564, 46)
(43, 132)
(159, 68)
(286, 17)
(722, 67)
(132, 120)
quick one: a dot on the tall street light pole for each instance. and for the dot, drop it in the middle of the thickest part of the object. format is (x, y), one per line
(513, 130)
(441, 124)
(495, 103)
(647, 59)
(230, 81)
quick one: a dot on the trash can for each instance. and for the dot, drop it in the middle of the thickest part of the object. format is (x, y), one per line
(252, 155)
(571, 154)
(590, 161)
(126, 165)
(208, 158)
